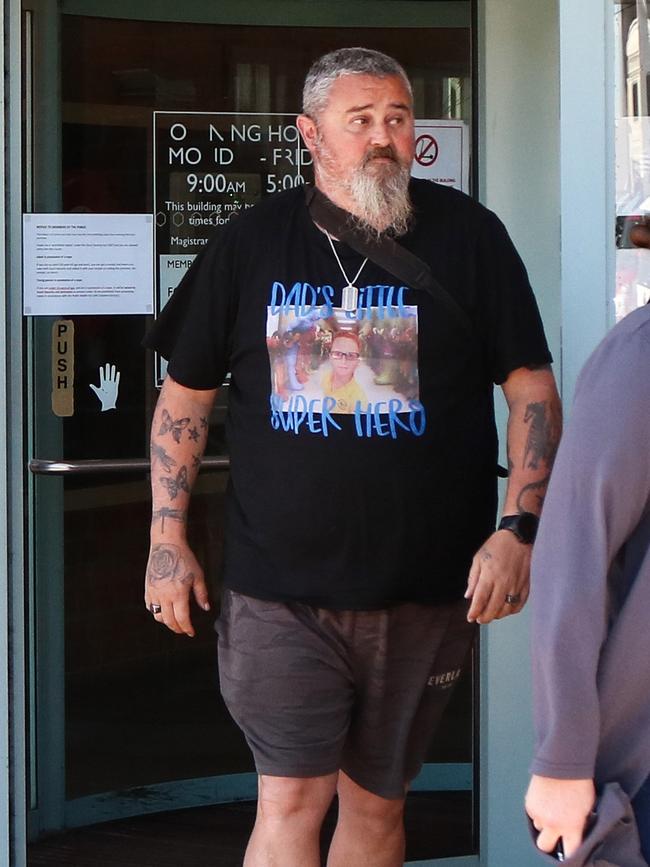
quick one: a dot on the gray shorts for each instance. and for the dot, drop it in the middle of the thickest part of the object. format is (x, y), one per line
(316, 690)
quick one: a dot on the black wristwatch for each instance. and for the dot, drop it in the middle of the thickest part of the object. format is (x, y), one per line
(524, 526)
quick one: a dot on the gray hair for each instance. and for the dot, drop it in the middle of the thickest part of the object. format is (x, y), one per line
(345, 61)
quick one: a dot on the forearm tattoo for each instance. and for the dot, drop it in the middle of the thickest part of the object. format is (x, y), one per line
(176, 450)
(159, 454)
(173, 514)
(167, 564)
(173, 426)
(540, 443)
(539, 453)
(175, 485)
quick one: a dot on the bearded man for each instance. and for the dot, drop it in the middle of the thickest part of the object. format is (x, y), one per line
(361, 550)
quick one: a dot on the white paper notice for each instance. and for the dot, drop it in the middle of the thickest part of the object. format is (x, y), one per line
(76, 264)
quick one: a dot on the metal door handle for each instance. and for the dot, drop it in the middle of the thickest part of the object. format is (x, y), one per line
(42, 467)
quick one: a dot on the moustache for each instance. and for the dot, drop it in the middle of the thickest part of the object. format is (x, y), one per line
(385, 152)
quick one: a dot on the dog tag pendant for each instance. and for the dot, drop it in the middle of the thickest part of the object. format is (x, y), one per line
(349, 298)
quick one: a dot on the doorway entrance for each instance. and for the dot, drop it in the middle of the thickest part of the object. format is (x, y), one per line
(126, 718)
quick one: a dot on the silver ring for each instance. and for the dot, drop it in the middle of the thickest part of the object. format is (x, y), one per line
(513, 598)
(155, 608)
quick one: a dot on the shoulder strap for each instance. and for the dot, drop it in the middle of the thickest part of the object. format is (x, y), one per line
(383, 251)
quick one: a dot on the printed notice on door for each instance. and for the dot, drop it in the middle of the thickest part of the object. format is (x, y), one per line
(87, 264)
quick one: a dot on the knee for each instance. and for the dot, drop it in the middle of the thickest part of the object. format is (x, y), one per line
(375, 814)
(287, 799)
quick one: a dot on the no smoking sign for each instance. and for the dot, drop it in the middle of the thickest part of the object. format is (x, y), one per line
(426, 150)
(442, 152)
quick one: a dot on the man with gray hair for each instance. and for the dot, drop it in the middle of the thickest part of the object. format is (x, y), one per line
(361, 550)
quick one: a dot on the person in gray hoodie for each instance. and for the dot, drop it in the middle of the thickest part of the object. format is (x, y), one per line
(591, 610)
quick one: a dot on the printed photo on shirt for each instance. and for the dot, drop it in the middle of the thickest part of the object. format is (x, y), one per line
(346, 364)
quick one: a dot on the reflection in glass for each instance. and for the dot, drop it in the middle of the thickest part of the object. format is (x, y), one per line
(632, 41)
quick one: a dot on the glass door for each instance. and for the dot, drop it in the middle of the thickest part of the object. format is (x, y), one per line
(130, 110)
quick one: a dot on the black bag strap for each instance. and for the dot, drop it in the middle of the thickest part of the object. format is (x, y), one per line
(383, 251)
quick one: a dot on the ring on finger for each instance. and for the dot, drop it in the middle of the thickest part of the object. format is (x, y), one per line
(513, 598)
(155, 608)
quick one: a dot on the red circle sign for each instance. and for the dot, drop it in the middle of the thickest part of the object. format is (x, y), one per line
(426, 150)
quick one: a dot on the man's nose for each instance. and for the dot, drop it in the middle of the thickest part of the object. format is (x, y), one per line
(380, 134)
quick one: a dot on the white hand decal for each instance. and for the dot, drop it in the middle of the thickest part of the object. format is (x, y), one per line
(109, 383)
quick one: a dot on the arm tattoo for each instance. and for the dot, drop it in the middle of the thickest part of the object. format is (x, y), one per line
(541, 440)
(173, 514)
(158, 453)
(173, 426)
(531, 496)
(174, 485)
(166, 564)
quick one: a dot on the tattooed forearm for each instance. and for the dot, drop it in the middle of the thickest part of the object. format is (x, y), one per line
(158, 453)
(167, 564)
(542, 438)
(173, 514)
(534, 428)
(179, 434)
(175, 485)
(531, 496)
(173, 426)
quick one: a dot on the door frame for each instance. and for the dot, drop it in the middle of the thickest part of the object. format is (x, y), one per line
(580, 190)
(549, 174)
(50, 811)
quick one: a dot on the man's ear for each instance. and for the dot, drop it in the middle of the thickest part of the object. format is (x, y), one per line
(308, 131)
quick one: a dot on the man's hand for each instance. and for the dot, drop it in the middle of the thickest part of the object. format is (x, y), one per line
(172, 572)
(560, 808)
(500, 569)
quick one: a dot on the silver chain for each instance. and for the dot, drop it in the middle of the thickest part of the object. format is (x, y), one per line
(350, 291)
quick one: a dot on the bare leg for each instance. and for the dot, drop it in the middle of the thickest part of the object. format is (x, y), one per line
(290, 813)
(370, 829)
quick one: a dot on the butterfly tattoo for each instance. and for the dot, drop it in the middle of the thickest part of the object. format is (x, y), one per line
(159, 453)
(174, 485)
(176, 427)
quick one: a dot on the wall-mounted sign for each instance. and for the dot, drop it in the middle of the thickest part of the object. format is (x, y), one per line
(442, 152)
(75, 264)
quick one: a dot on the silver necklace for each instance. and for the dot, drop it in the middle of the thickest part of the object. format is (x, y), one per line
(350, 293)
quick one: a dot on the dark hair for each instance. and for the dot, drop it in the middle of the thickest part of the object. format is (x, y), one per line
(345, 61)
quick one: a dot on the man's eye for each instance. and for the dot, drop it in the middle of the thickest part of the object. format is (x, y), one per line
(396, 121)
(360, 121)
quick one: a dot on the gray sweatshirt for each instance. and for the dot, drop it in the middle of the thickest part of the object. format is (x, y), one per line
(591, 575)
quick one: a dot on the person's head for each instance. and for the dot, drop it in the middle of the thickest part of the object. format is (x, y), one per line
(640, 233)
(357, 122)
(345, 353)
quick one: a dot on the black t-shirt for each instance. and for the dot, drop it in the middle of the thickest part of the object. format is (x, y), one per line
(363, 447)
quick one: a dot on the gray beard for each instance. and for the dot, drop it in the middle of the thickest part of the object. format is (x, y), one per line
(381, 197)
(382, 200)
